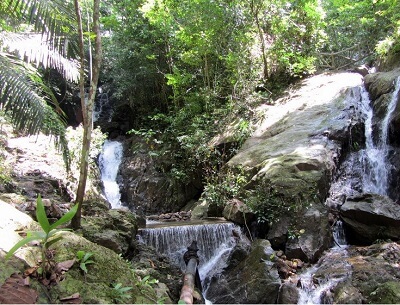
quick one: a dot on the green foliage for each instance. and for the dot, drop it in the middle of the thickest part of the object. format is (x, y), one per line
(356, 29)
(147, 281)
(270, 205)
(84, 259)
(227, 185)
(48, 235)
(120, 294)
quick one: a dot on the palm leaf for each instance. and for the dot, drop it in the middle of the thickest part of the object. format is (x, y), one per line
(29, 111)
(53, 19)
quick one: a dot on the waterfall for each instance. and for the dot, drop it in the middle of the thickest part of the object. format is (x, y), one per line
(215, 240)
(317, 289)
(317, 283)
(109, 162)
(374, 156)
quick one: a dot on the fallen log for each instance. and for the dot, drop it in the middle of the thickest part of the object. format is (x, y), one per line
(191, 278)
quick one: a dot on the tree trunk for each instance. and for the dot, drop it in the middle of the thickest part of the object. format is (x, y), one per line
(87, 106)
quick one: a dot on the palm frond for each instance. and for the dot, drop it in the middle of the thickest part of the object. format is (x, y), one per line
(28, 109)
(32, 48)
(54, 19)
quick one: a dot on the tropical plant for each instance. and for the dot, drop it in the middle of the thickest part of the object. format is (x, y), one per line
(84, 259)
(49, 234)
(119, 293)
(34, 36)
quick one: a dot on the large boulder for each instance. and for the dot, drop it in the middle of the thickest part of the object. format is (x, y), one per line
(114, 229)
(369, 217)
(296, 148)
(310, 238)
(255, 280)
(147, 188)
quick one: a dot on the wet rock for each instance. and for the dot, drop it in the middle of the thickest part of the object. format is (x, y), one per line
(254, 280)
(348, 294)
(312, 235)
(369, 217)
(288, 294)
(146, 185)
(178, 216)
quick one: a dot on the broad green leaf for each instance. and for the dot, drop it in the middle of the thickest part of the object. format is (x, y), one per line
(53, 241)
(20, 244)
(80, 254)
(87, 256)
(67, 217)
(41, 215)
(125, 289)
(83, 267)
(55, 231)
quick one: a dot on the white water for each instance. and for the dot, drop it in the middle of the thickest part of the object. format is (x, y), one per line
(317, 290)
(374, 156)
(214, 240)
(109, 162)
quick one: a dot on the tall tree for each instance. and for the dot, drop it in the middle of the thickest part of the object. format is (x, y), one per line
(87, 102)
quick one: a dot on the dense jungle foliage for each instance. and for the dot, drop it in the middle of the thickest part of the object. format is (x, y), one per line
(179, 71)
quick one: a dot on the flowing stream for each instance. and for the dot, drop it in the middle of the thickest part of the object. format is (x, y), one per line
(316, 283)
(109, 162)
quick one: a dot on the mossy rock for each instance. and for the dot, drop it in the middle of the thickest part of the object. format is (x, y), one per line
(113, 229)
(387, 293)
(97, 285)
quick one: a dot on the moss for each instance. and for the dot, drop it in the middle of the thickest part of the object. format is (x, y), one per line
(387, 293)
(10, 266)
(96, 287)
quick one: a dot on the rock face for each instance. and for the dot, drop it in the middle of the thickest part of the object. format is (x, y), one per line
(370, 217)
(146, 186)
(362, 275)
(311, 237)
(296, 149)
(254, 280)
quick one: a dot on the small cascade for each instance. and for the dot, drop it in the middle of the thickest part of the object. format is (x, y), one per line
(369, 164)
(215, 240)
(316, 284)
(102, 106)
(109, 162)
(339, 234)
(374, 156)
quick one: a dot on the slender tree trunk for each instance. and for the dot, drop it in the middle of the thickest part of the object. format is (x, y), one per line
(255, 11)
(87, 106)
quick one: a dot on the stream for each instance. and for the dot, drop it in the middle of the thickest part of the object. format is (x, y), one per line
(364, 171)
(370, 164)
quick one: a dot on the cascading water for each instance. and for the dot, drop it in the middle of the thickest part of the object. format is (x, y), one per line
(374, 156)
(215, 240)
(109, 162)
(316, 289)
(316, 283)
